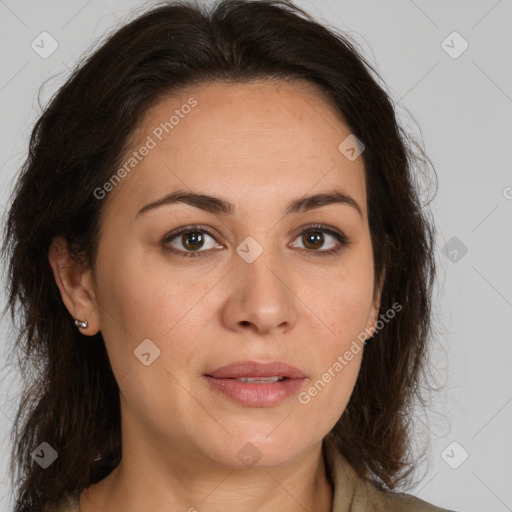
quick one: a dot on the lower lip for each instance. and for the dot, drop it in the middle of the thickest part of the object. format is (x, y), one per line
(256, 395)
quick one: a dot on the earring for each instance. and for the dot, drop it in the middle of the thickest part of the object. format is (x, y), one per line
(80, 324)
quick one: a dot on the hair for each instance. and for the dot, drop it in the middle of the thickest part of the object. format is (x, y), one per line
(70, 397)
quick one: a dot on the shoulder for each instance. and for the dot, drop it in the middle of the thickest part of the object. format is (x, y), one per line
(69, 503)
(400, 502)
(354, 494)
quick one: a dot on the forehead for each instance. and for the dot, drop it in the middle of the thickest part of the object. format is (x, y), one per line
(266, 137)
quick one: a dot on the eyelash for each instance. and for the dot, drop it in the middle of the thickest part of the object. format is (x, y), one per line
(340, 237)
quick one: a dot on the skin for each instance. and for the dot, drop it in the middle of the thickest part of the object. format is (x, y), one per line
(259, 145)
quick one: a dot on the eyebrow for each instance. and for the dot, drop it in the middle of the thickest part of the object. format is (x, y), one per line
(217, 205)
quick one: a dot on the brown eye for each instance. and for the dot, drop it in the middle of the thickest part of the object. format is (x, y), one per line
(193, 240)
(190, 241)
(315, 237)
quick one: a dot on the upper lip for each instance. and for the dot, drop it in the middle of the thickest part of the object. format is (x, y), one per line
(255, 369)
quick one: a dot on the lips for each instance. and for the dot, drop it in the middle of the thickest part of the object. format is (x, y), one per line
(255, 370)
(254, 384)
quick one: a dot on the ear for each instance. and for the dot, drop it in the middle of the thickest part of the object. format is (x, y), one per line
(75, 284)
(373, 315)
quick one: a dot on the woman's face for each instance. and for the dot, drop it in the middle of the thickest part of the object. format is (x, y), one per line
(252, 286)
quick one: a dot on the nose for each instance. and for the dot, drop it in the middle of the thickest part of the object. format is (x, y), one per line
(262, 297)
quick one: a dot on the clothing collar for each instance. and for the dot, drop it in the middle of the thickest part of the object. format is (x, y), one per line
(351, 492)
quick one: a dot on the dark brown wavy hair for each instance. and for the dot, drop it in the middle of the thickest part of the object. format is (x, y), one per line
(71, 398)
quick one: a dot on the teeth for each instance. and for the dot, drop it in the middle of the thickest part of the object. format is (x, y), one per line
(260, 379)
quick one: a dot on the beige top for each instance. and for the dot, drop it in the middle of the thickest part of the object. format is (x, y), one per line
(351, 493)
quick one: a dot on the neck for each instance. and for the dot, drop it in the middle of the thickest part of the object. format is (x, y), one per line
(145, 480)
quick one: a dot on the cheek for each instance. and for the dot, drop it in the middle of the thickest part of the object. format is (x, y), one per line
(346, 300)
(140, 303)
(146, 295)
(348, 310)
(344, 309)
(325, 397)
(142, 299)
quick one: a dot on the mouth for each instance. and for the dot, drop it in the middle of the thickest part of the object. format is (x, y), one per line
(254, 370)
(255, 384)
(264, 380)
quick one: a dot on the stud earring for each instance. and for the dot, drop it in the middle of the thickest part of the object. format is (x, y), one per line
(80, 324)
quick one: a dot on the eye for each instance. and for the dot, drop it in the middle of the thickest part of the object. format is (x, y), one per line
(314, 237)
(189, 241)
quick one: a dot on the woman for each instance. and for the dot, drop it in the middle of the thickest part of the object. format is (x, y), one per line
(224, 272)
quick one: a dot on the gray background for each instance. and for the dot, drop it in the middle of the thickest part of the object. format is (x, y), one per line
(462, 103)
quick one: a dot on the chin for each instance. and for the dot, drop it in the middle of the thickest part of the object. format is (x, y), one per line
(259, 448)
